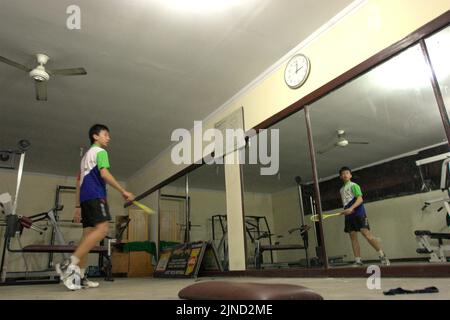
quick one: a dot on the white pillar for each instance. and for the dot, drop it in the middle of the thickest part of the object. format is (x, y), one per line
(235, 214)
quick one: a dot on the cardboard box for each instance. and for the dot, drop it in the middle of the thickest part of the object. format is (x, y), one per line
(120, 262)
(140, 264)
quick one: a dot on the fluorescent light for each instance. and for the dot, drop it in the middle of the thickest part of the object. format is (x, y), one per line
(201, 5)
(439, 49)
(407, 71)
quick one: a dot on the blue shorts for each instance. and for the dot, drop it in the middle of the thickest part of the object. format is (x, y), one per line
(356, 223)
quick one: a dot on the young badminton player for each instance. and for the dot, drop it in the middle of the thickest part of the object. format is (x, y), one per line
(91, 207)
(355, 217)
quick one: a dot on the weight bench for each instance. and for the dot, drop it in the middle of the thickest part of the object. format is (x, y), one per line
(16, 224)
(224, 290)
(104, 251)
(260, 248)
(437, 254)
(61, 249)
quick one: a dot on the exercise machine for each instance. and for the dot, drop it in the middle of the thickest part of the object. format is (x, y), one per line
(424, 237)
(303, 233)
(256, 227)
(261, 248)
(437, 253)
(15, 224)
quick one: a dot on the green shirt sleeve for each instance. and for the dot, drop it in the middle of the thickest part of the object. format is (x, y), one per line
(102, 160)
(356, 189)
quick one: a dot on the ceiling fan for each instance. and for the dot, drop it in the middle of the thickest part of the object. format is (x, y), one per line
(341, 142)
(40, 75)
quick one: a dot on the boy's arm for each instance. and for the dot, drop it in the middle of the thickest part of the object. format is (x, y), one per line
(109, 178)
(357, 203)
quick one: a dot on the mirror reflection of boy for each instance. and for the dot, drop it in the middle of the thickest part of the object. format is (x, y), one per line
(355, 217)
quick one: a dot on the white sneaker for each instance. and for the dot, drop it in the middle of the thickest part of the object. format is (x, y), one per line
(69, 275)
(385, 261)
(357, 264)
(86, 283)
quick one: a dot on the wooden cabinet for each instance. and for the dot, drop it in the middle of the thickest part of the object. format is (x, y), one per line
(134, 263)
(120, 262)
(140, 264)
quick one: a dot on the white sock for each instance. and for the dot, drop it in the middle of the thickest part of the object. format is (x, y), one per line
(381, 253)
(357, 259)
(74, 260)
(82, 271)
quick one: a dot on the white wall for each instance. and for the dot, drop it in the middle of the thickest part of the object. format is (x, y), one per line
(37, 194)
(259, 204)
(286, 216)
(205, 203)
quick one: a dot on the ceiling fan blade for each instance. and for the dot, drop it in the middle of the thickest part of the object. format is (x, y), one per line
(68, 72)
(358, 142)
(41, 90)
(329, 148)
(15, 64)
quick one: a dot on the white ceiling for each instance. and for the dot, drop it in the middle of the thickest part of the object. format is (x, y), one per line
(150, 69)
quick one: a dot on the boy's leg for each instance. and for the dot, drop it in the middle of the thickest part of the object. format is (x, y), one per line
(375, 244)
(95, 215)
(69, 270)
(355, 244)
(98, 233)
(85, 282)
(351, 229)
(370, 238)
(83, 260)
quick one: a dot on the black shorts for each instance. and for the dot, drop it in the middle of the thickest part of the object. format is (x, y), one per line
(356, 223)
(94, 212)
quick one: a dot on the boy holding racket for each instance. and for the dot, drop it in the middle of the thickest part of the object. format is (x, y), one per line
(91, 207)
(355, 217)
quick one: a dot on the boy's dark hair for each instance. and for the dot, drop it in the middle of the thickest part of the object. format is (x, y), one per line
(95, 129)
(344, 169)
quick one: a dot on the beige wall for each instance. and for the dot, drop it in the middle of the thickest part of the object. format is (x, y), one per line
(37, 194)
(358, 35)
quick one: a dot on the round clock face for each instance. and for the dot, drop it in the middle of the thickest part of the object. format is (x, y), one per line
(297, 71)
